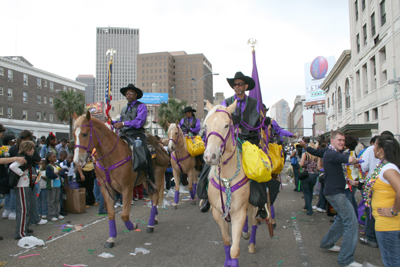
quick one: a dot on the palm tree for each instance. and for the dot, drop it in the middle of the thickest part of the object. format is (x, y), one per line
(170, 111)
(68, 103)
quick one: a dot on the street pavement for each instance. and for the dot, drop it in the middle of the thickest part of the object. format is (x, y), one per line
(183, 237)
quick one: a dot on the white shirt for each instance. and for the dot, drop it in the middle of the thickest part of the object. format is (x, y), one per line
(389, 166)
(24, 179)
(370, 161)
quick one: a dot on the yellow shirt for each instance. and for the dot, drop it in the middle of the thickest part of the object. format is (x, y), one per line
(382, 197)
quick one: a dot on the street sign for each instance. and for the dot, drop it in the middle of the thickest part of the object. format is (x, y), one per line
(154, 98)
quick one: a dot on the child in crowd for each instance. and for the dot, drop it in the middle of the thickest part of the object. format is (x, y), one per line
(53, 187)
(61, 158)
(42, 198)
(69, 167)
(23, 189)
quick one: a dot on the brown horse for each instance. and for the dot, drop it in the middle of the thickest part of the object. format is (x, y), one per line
(229, 188)
(181, 162)
(114, 169)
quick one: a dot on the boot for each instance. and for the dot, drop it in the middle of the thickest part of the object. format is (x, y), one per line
(203, 182)
(150, 181)
(261, 214)
(205, 207)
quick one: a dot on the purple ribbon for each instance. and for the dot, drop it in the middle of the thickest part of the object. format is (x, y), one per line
(233, 188)
(253, 234)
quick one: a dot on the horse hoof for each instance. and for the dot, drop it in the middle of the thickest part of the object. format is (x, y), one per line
(150, 230)
(194, 202)
(252, 249)
(174, 207)
(109, 245)
(245, 235)
(156, 222)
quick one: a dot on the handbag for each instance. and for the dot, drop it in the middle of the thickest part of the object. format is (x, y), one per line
(195, 145)
(361, 212)
(13, 178)
(139, 161)
(256, 164)
(293, 161)
(303, 175)
(56, 183)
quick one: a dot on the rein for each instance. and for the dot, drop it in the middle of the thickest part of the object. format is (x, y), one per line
(178, 160)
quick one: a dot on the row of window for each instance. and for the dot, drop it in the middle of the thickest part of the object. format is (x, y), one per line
(10, 96)
(174, 60)
(339, 98)
(39, 115)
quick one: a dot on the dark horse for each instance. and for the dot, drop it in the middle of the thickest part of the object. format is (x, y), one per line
(114, 169)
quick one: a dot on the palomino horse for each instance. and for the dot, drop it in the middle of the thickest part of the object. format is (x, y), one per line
(228, 189)
(114, 169)
(181, 162)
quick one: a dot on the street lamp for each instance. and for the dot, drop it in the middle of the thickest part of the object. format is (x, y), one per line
(313, 129)
(194, 82)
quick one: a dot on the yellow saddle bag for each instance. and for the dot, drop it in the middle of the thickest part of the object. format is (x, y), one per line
(256, 163)
(277, 157)
(195, 145)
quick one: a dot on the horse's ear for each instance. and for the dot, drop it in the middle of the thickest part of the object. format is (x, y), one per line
(231, 107)
(88, 115)
(168, 124)
(177, 122)
(209, 106)
(74, 116)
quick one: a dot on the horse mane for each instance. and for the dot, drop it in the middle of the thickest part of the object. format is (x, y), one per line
(96, 122)
(211, 112)
(174, 126)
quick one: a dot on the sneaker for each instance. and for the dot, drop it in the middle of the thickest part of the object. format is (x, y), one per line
(41, 222)
(365, 241)
(355, 264)
(96, 204)
(314, 207)
(335, 249)
(60, 217)
(44, 216)
(6, 213)
(12, 216)
(54, 219)
(321, 210)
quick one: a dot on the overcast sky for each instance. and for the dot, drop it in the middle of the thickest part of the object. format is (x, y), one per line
(60, 37)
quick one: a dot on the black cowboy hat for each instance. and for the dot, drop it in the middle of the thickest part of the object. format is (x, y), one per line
(248, 80)
(132, 87)
(187, 109)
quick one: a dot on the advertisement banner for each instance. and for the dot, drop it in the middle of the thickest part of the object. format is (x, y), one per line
(315, 73)
(154, 98)
(95, 108)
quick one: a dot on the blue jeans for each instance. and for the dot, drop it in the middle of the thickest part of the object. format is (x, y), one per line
(96, 191)
(369, 229)
(345, 225)
(9, 201)
(322, 200)
(389, 244)
(351, 197)
(308, 189)
(42, 208)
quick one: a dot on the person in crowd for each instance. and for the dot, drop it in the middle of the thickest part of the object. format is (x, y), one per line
(296, 168)
(371, 143)
(352, 171)
(358, 147)
(23, 189)
(369, 164)
(345, 224)
(62, 146)
(69, 167)
(49, 146)
(385, 185)
(62, 156)
(190, 125)
(309, 163)
(53, 187)
(42, 198)
(321, 204)
(85, 180)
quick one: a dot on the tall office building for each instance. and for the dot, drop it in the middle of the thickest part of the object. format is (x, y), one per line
(125, 41)
(90, 81)
(176, 73)
(280, 112)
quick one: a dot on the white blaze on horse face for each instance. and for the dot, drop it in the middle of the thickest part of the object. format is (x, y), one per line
(171, 136)
(77, 142)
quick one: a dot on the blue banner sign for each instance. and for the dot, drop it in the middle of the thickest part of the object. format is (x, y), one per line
(154, 98)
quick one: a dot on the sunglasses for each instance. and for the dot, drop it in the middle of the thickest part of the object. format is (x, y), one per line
(238, 84)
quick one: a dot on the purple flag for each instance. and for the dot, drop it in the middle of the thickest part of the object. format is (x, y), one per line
(256, 92)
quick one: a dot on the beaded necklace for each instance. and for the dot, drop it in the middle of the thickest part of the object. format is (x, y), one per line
(368, 185)
(344, 169)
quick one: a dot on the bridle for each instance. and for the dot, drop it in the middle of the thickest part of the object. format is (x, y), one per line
(178, 160)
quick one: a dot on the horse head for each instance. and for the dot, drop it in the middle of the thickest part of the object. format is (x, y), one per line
(219, 128)
(84, 141)
(174, 134)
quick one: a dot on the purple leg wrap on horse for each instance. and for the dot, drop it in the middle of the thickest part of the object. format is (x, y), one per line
(129, 225)
(152, 216)
(113, 228)
(227, 256)
(176, 199)
(155, 207)
(234, 263)
(194, 190)
(192, 194)
(246, 225)
(272, 212)
(253, 234)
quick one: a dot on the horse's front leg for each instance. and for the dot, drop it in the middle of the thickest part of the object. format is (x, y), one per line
(127, 195)
(238, 221)
(225, 235)
(252, 211)
(111, 216)
(177, 177)
(192, 189)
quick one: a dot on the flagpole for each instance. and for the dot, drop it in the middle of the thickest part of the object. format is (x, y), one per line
(108, 96)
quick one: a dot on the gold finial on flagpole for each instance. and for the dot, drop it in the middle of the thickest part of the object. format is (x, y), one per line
(111, 51)
(252, 42)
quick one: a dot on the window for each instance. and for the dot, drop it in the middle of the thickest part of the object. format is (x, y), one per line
(25, 79)
(44, 116)
(51, 86)
(45, 100)
(1, 71)
(358, 43)
(45, 83)
(362, 5)
(328, 102)
(9, 112)
(365, 34)
(383, 12)
(24, 114)
(39, 116)
(384, 77)
(364, 74)
(382, 54)
(39, 99)
(1, 110)
(347, 93)
(373, 29)
(10, 76)
(39, 83)
(24, 97)
(51, 117)
(51, 101)
(1, 90)
(375, 113)
(366, 116)
(10, 94)
(64, 88)
(339, 97)
(356, 9)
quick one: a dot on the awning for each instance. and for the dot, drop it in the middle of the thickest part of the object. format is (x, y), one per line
(357, 130)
